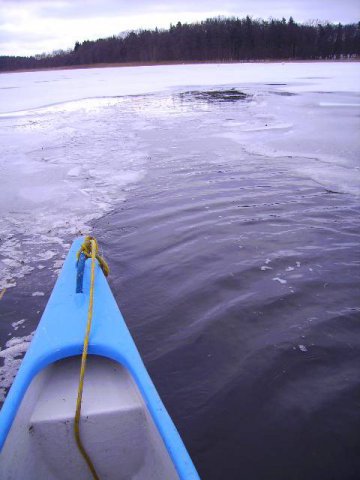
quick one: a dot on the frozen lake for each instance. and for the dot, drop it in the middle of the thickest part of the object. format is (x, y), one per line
(226, 198)
(71, 140)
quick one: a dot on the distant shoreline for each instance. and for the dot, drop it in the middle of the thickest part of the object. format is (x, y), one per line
(154, 64)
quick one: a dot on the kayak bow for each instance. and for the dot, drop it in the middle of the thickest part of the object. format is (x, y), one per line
(124, 425)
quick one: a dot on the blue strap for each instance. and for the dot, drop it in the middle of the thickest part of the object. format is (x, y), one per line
(80, 273)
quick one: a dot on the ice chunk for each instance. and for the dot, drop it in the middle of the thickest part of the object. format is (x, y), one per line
(14, 350)
(17, 324)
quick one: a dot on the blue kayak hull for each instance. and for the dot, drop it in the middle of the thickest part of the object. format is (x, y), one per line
(60, 334)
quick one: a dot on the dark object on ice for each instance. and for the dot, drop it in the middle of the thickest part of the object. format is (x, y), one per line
(215, 96)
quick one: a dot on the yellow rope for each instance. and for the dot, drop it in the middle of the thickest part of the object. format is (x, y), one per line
(2, 293)
(91, 247)
(86, 249)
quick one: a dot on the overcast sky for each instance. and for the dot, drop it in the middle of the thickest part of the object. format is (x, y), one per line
(35, 26)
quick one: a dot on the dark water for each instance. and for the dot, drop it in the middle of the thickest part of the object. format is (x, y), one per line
(219, 336)
(239, 282)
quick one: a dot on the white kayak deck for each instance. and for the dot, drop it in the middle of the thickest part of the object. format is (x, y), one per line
(116, 428)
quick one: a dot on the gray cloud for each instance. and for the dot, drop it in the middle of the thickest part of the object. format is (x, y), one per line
(32, 37)
(332, 10)
(33, 25)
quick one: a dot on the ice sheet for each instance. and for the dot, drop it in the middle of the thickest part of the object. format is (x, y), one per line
(31, 90)
(59, 170)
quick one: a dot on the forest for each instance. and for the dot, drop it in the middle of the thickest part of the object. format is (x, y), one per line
(213, 40)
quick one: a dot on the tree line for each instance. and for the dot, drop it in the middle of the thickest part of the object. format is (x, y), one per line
(216, 39)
